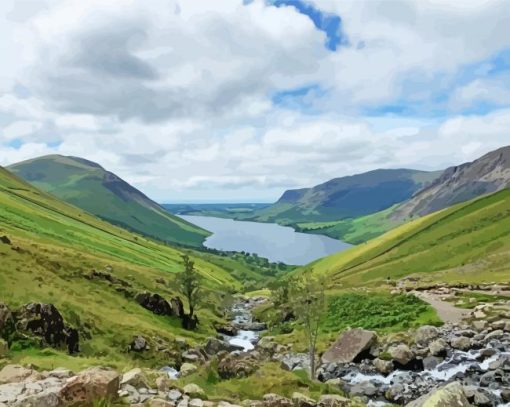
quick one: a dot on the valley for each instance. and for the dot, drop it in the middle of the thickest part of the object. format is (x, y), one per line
(420, 302)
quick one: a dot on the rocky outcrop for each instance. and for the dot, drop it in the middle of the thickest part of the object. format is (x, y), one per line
(237, 365)
(44, 321)
(350, 346)
(154, 303)
(451, 395)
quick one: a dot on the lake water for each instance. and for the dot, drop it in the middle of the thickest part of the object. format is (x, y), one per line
(275, 242)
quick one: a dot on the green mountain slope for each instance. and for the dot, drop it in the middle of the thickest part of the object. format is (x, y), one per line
(53, 251)
(469, 242)
(347, 197)
(92, 188)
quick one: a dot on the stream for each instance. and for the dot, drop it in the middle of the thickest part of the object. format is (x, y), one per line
(248, 331)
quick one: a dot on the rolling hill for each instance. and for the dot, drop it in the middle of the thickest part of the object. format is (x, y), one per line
(89, 269)
(89, 186)
(469, 242)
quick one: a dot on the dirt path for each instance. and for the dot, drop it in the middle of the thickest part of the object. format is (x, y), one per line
(445, 310)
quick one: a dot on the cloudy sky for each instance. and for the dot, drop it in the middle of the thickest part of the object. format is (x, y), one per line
(231, 100)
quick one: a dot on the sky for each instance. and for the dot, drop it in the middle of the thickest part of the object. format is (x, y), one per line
(236, 101)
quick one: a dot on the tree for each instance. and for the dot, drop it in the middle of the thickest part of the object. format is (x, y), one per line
(190, 282)
(308, 301)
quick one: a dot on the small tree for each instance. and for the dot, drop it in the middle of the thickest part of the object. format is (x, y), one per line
(190, 282)
(308, 300)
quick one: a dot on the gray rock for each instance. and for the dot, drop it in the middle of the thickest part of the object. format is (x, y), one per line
(300, 400)
(401, 354)
(174, 395)
(431, 362)
(383, 366)
(451, 395)
(349, 346)
(274, 400)
(366, 388)
(461, 343)
(333, 400)
(438, 347)
(425, 334)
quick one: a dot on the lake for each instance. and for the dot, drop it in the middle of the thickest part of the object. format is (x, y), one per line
(275, 242)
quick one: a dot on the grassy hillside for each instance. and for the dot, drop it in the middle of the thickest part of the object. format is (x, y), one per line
(87, 185)
(346, 197)
(469, 242)
(55, 246)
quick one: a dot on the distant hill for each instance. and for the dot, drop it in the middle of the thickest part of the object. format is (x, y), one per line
(89, 186)
(466, 243)
(485, 175)
(347, 197)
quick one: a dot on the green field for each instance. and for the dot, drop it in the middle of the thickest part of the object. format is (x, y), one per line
(95, 190)
(469, 242)
(54, 248)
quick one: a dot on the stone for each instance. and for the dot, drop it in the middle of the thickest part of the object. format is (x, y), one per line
(365, 388)
(196, 403)
(383, 366)
(157, 402)
(46, 322)
(505, 395)
(237, 366)
(431, 362)
(138, 344)
(16, 374)
(300, 400)
(350, 346)
(135, 377)
(163, 384)
(45, 398)
(177, 307)
(479, 325)
(91, 384)
(461, 343)
(174, 395)
(425, 334)
(479, 314)
(214, 346)
(154, 303)
(6, 320)
(228, 330)
(291, 361)
(193, 390)
(438, 347)
(498, 333)
(395, 392)
(187, 369)
(401, 354)
(10, 392)
(451, 395)
(333, 400)
(60, 373)
(274, 400)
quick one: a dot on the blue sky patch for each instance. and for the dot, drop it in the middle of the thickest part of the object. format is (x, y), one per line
(330, 23)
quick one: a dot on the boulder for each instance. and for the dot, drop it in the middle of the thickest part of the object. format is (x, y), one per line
(451, 395)
(498, 333)
(237, 366)
(214, 346)
(401, 354)
(174, 395)
(5, 240)
(194, 391)
(366, 388)
(187, 369)
(274, 400)
(60, 373)
(135, 377)
(476, 396)
(228, 330)
(16, 374)
(461, 343)
(383, 366)
(196, 403)
(425, 334)
(505, 395)
(157, 402)
(438, 347)
(154, 303)
(350, 346)
(6, 321)
(139, 344)
(163, 384)
(177, 307)
(46, 322)
(479, 325)
(291, 361)
(431, 362)
(300, 400)
(333, 400)
(91, 384)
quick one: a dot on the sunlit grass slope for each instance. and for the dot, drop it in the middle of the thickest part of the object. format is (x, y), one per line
(54, 248)
(90, 187)
(469, 242)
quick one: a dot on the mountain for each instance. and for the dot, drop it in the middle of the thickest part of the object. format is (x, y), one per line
(469, 242)
(53, 252)
(485, 175)
(347, 197)
(89, 186)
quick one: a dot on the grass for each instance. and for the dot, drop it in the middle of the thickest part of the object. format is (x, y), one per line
(354, 230)
(469, 242)
(96, 191)
(269, 378)
(54, 248)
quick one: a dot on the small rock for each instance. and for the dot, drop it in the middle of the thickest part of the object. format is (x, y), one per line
(274, 400)
(461, 342)
(4, 348)
(139, 344)
(401, 354)
(333, 400)
(188, 369)
(480, 325)
(505, 395)
(431, 362)
(438, 347)
(494, 335)
(134, 377)
(174, 395)
(366, 388)
(160, 403)
(193, 390)
(163, 384)
(383, 366)
(425, 334)
(300, 400)
(16, 374)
